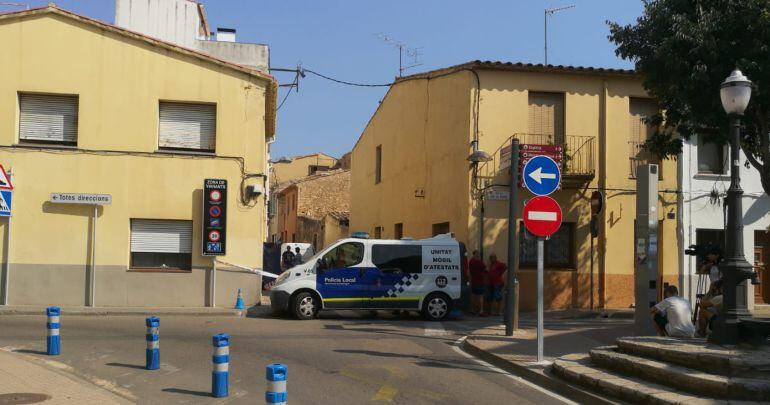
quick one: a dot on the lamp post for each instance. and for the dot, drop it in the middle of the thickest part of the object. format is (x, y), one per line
(735, 93)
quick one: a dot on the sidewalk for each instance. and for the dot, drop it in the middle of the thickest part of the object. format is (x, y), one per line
(126, 311)
(566, 332)
(27, 380)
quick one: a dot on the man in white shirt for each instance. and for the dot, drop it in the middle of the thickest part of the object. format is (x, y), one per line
(672, 316)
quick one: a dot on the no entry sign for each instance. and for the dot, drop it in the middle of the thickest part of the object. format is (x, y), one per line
(542, 216)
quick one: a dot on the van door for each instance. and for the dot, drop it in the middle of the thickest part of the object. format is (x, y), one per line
(339, 276)
(395, 279)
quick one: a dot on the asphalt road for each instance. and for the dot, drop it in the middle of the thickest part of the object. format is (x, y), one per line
(342, 358)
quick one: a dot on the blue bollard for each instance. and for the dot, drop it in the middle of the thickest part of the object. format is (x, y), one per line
(221, 359)
(239, 300)
(52, 340)
(152, 353)
(276, 384)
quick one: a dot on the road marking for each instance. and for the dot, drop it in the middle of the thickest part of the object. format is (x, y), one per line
(541, 216)
(434, 329)
(385, 393)
(457, 346)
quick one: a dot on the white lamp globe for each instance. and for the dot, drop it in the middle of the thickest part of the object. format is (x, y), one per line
(735, 93)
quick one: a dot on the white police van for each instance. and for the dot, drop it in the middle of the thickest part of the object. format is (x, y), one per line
(373, 274)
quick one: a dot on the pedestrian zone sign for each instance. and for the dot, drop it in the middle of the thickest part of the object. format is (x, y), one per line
(5, 203)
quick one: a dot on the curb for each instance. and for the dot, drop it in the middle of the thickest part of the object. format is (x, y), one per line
(120, 311)
(545, 379)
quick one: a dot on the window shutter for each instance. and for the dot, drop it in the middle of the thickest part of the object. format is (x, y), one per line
(44, 117)
(161, 236)
(640, 109)
(187, 126)
(546, 115)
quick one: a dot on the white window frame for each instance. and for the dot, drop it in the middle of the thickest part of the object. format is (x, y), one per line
(30, 132)
(182, 136)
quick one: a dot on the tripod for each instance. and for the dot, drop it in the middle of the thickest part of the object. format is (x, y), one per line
(703, 286)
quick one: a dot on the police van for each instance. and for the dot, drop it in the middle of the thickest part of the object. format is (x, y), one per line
(373, 274)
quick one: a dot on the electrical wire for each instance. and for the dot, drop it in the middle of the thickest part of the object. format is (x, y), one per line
(346, 82)
(293, 85)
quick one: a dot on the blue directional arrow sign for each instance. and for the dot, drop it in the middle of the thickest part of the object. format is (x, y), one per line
(541, 175)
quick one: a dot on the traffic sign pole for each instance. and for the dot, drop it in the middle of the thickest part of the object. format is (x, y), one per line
(540, 243)
(510, 296)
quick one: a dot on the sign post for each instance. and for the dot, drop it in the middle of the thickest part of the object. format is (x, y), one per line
(510, 298)
(597, 200)
(89, 199)
(5, 211)
(214, 234)
(542, 217)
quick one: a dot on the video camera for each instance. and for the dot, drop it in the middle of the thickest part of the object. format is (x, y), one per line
(702, 250)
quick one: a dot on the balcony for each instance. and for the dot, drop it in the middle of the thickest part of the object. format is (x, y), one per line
(578, 164)
(637, 155)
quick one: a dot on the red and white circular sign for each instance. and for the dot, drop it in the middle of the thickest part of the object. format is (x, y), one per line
(214, 236)
(542, 216)
(215, 195)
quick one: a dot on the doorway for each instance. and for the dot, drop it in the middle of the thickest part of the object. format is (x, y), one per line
(761, 246)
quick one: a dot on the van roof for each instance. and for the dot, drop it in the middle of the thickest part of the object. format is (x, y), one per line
(443, 239)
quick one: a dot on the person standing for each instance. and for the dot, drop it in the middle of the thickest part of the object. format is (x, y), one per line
(297, 256)
(287, 258)
(478, 278)
(496, 282)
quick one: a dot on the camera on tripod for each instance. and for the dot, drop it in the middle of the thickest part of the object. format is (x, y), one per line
(702, 250)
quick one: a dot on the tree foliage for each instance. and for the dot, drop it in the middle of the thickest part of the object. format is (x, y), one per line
(685, 49)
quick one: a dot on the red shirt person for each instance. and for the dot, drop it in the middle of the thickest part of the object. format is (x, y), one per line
(478, 273)
(497, 270)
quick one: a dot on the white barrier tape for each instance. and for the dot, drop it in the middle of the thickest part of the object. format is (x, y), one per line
(221, 351)
(53, 319)
(153, 344)
(53, 332)
(152, 330)
(221, 367)
(250, 270)
(276, 386)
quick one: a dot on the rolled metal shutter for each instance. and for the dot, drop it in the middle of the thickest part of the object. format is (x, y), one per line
(44, 117)
(161, 236)
(187, 126)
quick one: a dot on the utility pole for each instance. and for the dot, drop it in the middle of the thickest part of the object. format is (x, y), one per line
(549, 12)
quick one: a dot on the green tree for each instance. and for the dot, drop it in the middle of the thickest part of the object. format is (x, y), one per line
(685, 49)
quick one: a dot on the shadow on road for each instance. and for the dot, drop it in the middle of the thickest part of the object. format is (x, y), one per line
(134, 366)
(425, 361)
(30, 351)
(188, 392)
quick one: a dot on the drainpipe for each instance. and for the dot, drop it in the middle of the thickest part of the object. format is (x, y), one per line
(602, 248)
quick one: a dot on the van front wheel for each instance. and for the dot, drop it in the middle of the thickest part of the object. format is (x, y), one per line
(436, 307)
(305, 306)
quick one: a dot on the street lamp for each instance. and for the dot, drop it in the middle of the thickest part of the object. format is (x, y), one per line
(735, 93)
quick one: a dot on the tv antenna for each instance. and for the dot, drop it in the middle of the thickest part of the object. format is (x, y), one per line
(546, 13)
(414, 53)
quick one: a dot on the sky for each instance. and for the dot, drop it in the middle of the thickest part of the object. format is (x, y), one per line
(338, 38)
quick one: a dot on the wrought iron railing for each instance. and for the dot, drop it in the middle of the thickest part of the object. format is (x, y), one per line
(637, 155)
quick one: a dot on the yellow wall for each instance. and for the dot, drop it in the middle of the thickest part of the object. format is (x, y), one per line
(299, 166)
(423, 127)
(119, 82)
(595, 106)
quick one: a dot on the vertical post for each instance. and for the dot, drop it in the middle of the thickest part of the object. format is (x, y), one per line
(152, 354)
(481, 227)
(7, 280)
(52, 340)
(93, 259)
(545, 35)
(510, 296)
(591, 301)
(540, 244)
(213, 302)
(276, 394)
(221, 359)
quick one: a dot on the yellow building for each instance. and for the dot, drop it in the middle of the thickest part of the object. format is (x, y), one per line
(411, 177)
(297, 167)
(86, 107)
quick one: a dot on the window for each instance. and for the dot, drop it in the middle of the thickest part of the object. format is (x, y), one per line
(398, 231)
(559, 249)
(345, 255)
(710, 236)
(397, 258)
(313, 169)
(378, 232)
(161, 244)
(546, 117)
(639, 110)
(710, 157)
(187, 126)
(378, 164)
(45, 118)
(440, 229)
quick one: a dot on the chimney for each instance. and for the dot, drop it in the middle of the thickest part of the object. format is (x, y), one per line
(225, 34)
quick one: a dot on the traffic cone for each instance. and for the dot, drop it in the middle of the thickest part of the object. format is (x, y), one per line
(239, 300)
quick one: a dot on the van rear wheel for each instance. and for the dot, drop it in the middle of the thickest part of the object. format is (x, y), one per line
(305, 306)
(436, 307)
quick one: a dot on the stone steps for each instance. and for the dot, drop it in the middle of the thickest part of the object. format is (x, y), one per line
(579, 369)
(681, 378)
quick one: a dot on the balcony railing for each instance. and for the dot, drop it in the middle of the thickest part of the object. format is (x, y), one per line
(637, 155)
(578, 162)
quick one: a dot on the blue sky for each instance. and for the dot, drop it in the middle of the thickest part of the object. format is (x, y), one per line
(337, 38)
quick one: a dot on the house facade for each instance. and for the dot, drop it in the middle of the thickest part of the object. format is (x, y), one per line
(411, 177)
(88, 107)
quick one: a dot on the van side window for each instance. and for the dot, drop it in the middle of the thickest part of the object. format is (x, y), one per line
(398, 258)
(345, 255)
